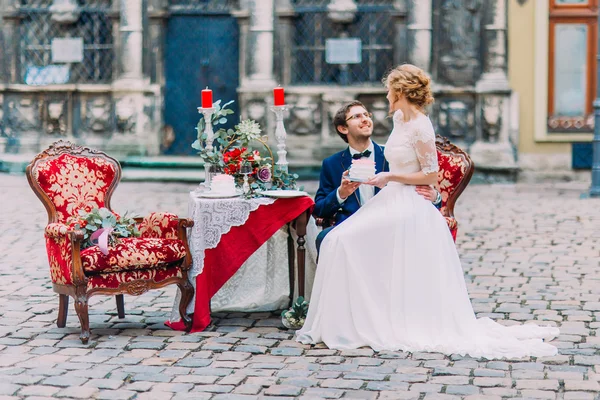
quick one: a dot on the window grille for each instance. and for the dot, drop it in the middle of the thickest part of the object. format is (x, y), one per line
(373, 25)
(38, 29)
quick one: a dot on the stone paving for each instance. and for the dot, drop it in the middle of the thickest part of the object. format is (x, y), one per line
(530, 252)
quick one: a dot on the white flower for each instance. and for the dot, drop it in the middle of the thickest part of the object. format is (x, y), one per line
(249, 128)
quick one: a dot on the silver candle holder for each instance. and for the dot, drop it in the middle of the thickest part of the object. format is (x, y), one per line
(280, 135)
(209, 169)
(208, 128)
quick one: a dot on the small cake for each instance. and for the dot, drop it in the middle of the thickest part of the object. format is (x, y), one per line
(362, 169)
(222, 184)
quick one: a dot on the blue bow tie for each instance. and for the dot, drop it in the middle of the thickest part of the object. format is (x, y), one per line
(365, 153)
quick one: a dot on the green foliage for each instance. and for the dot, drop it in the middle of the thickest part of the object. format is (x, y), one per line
(219, 117)
(296, 315)
(97, 218)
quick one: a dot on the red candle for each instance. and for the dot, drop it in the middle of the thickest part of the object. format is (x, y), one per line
(207, 98)
(278, 96)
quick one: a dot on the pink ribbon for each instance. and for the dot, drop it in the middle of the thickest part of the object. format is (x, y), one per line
(100, 237)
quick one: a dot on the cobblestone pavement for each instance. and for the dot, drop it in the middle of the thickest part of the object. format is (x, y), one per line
(529, 253)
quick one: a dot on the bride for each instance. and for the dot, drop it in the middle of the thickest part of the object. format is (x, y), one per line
(389, 277)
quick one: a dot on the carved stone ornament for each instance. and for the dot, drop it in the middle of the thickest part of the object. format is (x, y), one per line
(125, 110)
(456, 120)
(257, 111)
(64, 11)
(25, 114)
(342, 11)
(55, 121)
(305, 117)
(459, 41)
(382, 124)
(97, 115)
(492, 118)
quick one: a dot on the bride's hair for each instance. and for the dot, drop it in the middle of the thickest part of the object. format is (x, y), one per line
(412, 82)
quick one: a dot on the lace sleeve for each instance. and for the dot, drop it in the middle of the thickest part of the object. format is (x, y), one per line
(424, 144)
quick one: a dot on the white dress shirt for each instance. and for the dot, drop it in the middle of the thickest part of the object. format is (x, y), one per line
(366, 192)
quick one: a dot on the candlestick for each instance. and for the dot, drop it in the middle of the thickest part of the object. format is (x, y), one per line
(207, 101)
(208, 129)
(280, 135)
(210, 137)
(278, 96)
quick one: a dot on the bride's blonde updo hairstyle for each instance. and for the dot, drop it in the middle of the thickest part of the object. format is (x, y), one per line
(412, 82)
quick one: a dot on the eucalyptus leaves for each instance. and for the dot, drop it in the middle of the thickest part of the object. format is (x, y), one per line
(101, 224)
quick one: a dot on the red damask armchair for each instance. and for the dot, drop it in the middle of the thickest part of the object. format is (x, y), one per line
(455, 172)
(69, 178)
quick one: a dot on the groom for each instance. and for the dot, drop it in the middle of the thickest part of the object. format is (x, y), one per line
(338, 197)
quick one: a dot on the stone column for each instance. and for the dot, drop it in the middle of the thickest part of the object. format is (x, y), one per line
(131, 32)
(419, 33)
(9, 25)
(136, 100)
(494, 65)
(497, 134)
(259, 45)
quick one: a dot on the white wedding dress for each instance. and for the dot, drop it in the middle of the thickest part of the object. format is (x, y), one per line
(389, 277)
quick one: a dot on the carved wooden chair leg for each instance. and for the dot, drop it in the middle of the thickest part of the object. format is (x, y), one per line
(301, 223)
(120, 306)
(63, 309)
(81, 307)
(291, 264)
(187, 292)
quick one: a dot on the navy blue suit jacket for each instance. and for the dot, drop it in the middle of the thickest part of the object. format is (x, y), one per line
(326, 203)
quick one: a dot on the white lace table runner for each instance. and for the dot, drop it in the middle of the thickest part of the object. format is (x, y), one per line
(212, 219)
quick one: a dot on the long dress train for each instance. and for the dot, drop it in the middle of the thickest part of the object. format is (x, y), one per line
(390, 278)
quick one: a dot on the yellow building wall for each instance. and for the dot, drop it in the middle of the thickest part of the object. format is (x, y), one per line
(521, 75)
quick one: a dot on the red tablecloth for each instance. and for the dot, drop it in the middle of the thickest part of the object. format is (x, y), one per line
(234, 248)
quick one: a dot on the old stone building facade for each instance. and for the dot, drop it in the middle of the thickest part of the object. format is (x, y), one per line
(126, 75)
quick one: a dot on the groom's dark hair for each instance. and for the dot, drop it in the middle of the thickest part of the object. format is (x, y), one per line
(340, 117)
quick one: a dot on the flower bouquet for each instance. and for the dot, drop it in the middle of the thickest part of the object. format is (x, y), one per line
(294, 317)
(102, 227)
(233, 153)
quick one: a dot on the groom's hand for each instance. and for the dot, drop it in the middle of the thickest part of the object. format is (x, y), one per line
(347, 187)
(427, 191)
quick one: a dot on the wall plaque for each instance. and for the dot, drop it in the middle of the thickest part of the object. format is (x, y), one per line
(67, 50)
(343, 51)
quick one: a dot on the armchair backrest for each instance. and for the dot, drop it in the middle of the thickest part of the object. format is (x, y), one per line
(68, 178)
(455, 171)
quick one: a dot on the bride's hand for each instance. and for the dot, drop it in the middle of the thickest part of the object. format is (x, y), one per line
(379, 180)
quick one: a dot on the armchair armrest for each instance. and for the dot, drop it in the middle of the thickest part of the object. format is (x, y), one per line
(63, 246)
(56, 230)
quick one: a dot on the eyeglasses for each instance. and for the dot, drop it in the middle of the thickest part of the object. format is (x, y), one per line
(367, 115)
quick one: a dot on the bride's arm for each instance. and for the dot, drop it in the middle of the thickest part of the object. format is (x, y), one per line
(424, 145)
(416, 178)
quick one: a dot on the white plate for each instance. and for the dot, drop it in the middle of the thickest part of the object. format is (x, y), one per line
(283, 193)
(357, 180)
(209, 195)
